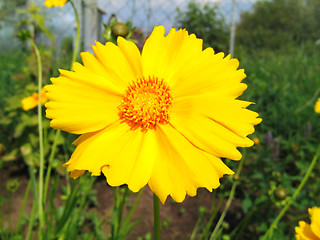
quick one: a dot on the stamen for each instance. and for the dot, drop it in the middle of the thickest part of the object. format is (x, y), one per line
(146, 103)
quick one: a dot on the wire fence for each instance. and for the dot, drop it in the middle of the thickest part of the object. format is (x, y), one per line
(146, 14)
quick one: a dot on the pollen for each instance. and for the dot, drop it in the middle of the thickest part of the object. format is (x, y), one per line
(146, 103)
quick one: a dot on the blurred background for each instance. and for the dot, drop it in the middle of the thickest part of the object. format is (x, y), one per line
(277, 43)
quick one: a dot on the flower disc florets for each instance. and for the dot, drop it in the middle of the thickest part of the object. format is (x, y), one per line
(146, 103)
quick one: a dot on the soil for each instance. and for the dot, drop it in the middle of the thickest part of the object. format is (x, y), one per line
(178, 220)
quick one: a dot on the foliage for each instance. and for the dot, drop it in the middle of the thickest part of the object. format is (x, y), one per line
(284, 85)
(8, 8)
(207, 23)
(35, 18)
(277, 23)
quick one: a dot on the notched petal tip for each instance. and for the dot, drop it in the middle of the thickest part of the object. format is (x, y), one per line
(158, 30)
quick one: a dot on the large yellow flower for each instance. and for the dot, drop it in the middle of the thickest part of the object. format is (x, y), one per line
(33, 100)
(311, 231)
(55, 3)
(162, 118)
(317, 106)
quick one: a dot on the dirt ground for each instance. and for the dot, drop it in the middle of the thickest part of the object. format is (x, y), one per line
(180, 222)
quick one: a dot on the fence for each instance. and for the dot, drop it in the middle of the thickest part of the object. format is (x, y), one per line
(146, 14)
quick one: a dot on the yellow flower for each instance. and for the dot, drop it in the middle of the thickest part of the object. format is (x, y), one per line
(162, 118)
(317, 106)
(55, 3)
(256, 141)
(32, 101)
(311, 231)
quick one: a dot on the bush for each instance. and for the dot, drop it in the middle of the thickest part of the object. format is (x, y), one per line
(277, 23)
(207, 23)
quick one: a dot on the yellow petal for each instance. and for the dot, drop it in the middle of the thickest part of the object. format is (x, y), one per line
(91, 63)
(76, 173)
(315, 220)
(54, 3)
(78, 107)
(304, 232)
(162, 55)
(210, 136)
(132, 54)
(181, 168)
(115, 63)
(33, 100)
(209, 72)
(124, 156)
(225, 111)
(317, 106)
(29, 102)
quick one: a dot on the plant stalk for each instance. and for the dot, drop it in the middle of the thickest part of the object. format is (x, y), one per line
(40, 130)
(77, 43)
(156, 216)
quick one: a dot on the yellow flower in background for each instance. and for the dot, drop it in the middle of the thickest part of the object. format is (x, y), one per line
(55, 3)
(163, 118)
(311, 231)
(317, 106)
(256, 141)
(32, 101)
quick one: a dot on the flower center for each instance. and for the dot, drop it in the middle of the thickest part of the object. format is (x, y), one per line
(146, 103)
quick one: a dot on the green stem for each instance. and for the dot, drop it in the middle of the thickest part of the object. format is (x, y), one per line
(196, 228)
(214, 211)
(221, 219)
(77, 43)
(52, 153)
(29, 231)
(23, 205)
(156, 216)
(40, 130)
(269, 233)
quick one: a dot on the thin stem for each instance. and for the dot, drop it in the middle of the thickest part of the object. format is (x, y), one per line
(23, 205)
(269, 233)
(77, 43)
(29, 231)
(221, 219)
(156, 216)
(212, 217)
(57, 134)
(52, 153)
(40, 130)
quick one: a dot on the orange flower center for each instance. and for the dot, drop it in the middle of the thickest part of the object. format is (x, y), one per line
(146, 103)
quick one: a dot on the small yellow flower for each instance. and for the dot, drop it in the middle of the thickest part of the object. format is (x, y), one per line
(163, 118)
(256, 141)
(32, 101)
(311, 231)
(55, 3)
(317, 106)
